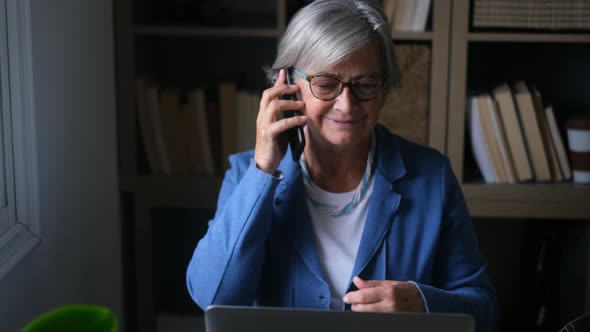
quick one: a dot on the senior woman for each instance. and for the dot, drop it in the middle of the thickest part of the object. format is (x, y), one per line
(365, 220)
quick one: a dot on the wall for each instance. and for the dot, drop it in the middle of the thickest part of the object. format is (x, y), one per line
(79, 259)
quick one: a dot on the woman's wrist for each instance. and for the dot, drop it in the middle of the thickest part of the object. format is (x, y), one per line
(268, 169)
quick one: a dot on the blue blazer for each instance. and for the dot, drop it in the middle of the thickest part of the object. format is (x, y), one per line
(259, 248)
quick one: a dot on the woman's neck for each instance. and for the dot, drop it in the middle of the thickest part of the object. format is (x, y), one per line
(336, 169)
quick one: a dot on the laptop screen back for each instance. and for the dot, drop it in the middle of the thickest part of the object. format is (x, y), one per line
(264, 319)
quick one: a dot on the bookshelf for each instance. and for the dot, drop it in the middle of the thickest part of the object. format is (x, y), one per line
(550, 200)
(171, 46)
(159, 208)
(504, 213)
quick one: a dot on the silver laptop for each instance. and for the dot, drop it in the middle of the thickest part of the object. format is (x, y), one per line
(220, 318)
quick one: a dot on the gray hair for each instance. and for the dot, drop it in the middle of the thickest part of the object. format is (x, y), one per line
(324, 32)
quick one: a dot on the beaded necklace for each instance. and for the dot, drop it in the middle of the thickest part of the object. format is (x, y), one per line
(359, 192)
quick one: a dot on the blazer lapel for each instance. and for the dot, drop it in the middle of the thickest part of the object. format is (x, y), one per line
(383, 206)
(292, 210)
(385, 200)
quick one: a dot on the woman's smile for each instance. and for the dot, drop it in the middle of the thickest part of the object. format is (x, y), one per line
(343, 123)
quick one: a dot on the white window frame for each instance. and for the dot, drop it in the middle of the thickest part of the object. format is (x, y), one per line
(16, 84)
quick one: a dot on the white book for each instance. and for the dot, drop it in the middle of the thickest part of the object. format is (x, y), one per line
(404, 15)
(479, 145)
(420, 15)
(558, 142)
(153, 108)
(146, 126)
(491, 139)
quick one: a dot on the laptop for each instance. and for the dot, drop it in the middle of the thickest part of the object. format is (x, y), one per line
(222, 318)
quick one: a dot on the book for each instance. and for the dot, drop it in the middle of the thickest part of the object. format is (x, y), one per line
(532, 132)
(213, 122)
(255, 107)
(146, 126)
(242, 118)
(174, 133)
(490, 131)
(228, 122)
(420, 15)
(201, 156)
(500, 134)
(248, 105)
(404, 15)
(191, 136)
(559, 145)
(514, 133)
(552, 160)
(389, 7)
(479, 143)
(152, 99)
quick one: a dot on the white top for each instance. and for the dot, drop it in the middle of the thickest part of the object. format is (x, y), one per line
(337, 239)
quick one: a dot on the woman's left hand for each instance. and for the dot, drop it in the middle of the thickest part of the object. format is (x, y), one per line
(384, 296)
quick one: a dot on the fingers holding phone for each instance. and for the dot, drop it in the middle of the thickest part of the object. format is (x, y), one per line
(295, 135)
(270, 123)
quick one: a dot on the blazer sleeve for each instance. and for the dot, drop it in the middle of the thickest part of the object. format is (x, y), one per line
(227, 262)
(459, 271)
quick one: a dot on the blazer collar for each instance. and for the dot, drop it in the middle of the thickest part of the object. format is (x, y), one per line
(291, 206)
(389, 158)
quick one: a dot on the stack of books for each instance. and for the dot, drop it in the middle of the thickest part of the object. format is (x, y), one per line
(192, 132)
(514, 138)
(532, 14)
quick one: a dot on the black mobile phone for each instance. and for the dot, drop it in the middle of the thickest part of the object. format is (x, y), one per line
(295, 135)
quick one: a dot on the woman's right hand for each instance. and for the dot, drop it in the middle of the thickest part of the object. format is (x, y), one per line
(270, 147)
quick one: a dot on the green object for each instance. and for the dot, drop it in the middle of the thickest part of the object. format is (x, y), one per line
(74, 318)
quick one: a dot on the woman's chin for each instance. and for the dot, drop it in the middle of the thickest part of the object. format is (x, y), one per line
(344, 139)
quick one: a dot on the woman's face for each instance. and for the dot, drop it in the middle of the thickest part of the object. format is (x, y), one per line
(345, 120)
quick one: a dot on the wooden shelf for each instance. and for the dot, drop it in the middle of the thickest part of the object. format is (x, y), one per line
(175, 31)
(182, 191)
(535, 200)
(528, 37)
(412, 36)
(188, 31)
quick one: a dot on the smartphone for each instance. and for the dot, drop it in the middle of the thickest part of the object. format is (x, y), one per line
(295, 135)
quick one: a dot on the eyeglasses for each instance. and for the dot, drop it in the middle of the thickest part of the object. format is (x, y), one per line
(327, 87)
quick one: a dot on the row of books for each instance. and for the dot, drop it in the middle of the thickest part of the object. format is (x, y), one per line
(407, 15)
(532, 14)
(514, 137)
(193, 132)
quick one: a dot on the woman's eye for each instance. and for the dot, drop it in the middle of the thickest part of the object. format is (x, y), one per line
(326, 86)
(367, 86)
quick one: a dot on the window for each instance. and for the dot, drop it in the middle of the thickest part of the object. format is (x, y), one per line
(19, 220)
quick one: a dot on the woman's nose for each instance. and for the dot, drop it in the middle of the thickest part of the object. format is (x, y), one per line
(346, 100)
